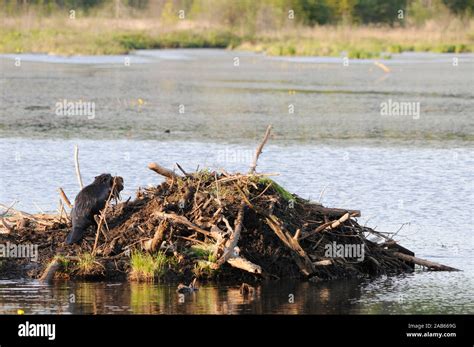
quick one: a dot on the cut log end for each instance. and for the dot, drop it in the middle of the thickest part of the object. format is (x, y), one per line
(160, 170)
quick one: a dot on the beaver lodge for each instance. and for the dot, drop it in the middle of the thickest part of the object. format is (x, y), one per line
(207, 225)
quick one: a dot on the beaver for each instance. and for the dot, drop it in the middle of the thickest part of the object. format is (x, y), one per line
(88, 203)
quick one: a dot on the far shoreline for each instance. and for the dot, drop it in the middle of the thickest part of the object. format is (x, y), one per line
(140, 58)
(104, 36)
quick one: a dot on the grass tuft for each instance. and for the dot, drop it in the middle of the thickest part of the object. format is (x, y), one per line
(146, 267)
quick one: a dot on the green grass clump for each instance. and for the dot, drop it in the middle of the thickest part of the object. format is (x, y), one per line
(146, 267)
(87, 265)
(204, 252)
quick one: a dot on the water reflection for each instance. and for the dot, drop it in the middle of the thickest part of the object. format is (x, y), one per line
(284, 297)
(420, 292)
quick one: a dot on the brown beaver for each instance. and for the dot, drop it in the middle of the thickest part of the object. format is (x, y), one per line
(88, 203)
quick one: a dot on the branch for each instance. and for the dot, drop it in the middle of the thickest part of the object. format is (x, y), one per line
(7, 209)
(152, 244)
(182, 170)
(160, 170)
(244, 264)
(328, 226)
(426, 263)
(50, 271)
(259, 150)
(305, 264)
(184, 221)
(53, 266)
(102, 215)
(78, 170)
(234, 238)
(336, 212)
(64, 197)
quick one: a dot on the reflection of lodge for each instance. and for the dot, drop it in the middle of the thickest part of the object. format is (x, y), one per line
(140, 298)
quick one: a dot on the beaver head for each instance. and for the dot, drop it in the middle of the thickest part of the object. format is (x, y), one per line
(104, 179)
(108, 180)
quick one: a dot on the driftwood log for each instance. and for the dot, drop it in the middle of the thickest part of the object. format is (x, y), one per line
(426, 263)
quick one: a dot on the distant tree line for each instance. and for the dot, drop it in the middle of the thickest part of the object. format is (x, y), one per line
(309, 12)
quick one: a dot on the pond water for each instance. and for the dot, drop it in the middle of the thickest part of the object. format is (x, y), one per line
(206, 108)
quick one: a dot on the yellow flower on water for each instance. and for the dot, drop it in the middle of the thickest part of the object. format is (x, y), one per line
(140, 101)
(20, 311)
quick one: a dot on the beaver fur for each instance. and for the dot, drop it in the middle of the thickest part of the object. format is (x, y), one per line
(88, 203)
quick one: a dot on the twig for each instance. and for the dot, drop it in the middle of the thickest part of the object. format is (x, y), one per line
(249, 204)
(60, 210)
(263, 191)
(322, 192)
(8, 208)
(217, 190)
(399, 229)
(102, 216)
(65, 213)
(97, 220)
(335, 212)
(370, 230)
(227, 224)
(259, 150)
(196, 195)
(63, 196)
(192, 240)
(183, 220)
(182, 170)
(78, 170)
(39, 208)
